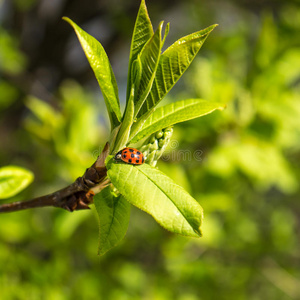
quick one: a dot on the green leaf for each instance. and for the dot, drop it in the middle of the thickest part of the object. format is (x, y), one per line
(114, 214)
(172, 64)
(13, 180)
(100, 64)
(148, 59)
(123, 135)
(173, 113)
(142, 33)
(166, 33)
(155, 193)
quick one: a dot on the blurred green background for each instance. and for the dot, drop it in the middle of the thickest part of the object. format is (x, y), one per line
(241, 164)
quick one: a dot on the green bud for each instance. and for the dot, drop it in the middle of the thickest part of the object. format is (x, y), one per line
(168, 133)
(159, 134)
(161, 143)
(153, 146)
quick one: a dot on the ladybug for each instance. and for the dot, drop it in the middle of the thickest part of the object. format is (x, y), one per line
(130, 156)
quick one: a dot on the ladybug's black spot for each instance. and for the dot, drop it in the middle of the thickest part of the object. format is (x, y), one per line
(132, 155)
(131, 150)
(129, 160)
(143, 160)
(137, 161)
(124, 156)
(138, 152)
(125, 151)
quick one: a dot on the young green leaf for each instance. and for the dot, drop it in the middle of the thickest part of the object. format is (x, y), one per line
(173, 113)
(123, 134)
(114, 214)
(172, 64)
(148, 58)
(142, 33)
(100, 64)
(155, 193)
(13, 180)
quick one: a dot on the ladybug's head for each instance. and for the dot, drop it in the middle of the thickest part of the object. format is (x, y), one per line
(118, 156)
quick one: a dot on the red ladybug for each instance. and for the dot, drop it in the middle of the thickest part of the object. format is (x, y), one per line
(130, 156)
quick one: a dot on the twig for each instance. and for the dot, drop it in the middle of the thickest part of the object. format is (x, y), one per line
(76, 196)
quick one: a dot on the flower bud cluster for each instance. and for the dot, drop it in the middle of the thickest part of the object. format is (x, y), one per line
(156, 144)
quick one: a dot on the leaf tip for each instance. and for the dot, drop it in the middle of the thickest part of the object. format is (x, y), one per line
(66, 19)
(208, 30)
(222, 106)
(198, 231)
(161, 24)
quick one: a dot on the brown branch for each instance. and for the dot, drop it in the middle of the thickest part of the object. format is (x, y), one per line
(76, 196)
